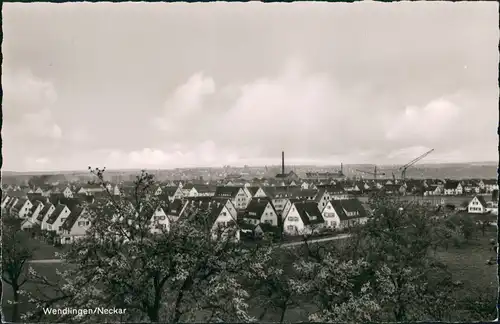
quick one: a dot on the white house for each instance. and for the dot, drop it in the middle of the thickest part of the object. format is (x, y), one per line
(89, 189)
(322, 198)
(39, 191)
(159, 221)
(5, 201)
(257, 192)
(189, 190)
(490, 185)
(204, 190)
(331, 217)
(158, 191)
(223, 222)
(261, 210)
(172, 192)
(452, 188)
(176, 209)
(22, 208)
(67, 193)
(44, 215)
(33, 214)
(344, 213)
(57, 218)
(303, 217)
(336, 192)
(477, 205)
(432, 190)
(116, 190)
(238, 196)
(75, 226)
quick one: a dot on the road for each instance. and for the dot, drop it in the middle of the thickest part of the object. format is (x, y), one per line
(338, 237)
(325, 239)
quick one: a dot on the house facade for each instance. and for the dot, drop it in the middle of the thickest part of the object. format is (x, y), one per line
(303, 218)
(57, 218)
(75, 226)
(261, 211)
(477, 205)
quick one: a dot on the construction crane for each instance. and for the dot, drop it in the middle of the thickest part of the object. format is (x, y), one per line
(374, 173)
(409, 164)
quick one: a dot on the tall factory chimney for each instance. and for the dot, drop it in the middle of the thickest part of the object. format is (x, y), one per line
(282, 162)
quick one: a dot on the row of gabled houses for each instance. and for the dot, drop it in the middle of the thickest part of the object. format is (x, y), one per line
(248, 206)
(180, 189)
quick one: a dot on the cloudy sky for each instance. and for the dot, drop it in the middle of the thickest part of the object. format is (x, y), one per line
(172, 85)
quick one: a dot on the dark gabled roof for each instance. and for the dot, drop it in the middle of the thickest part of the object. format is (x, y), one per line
(253, 190)
(176, 207)
(20, 203)
(55, 214)
(334, 189)
(72, 218)
(308, 209)
(71, 203)
(188, 186)
(198, 200)
(304, 193)
(229, 192)
(55, 197)
(451, 184)
(35, 206)
(348, 205)
(352, 205)
(16, 193)
(256, 208)
(36, 197)
(482, 201)
(202, 188)
(44, 211)
(169, 190)
(12, 202)
(490, 181)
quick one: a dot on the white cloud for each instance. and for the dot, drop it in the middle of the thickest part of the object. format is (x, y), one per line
(307, 114)
(40, 124)
(407, 153)
(79, 135)
(431, 122)
(296, 111)
(42, 160)
(28, 102)
(185, 102)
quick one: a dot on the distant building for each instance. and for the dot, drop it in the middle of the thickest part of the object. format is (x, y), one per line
(477, 205)
(286, 176)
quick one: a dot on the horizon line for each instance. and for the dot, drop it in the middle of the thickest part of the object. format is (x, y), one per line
(252, 166)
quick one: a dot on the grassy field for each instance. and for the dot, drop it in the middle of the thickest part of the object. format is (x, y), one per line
(45, 251)
(466, 263)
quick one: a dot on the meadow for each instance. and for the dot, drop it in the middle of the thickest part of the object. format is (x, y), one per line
(467, 264)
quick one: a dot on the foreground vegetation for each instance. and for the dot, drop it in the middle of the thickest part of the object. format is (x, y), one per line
(403, 265)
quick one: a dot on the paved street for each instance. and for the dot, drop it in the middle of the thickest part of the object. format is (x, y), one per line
(338, 237)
